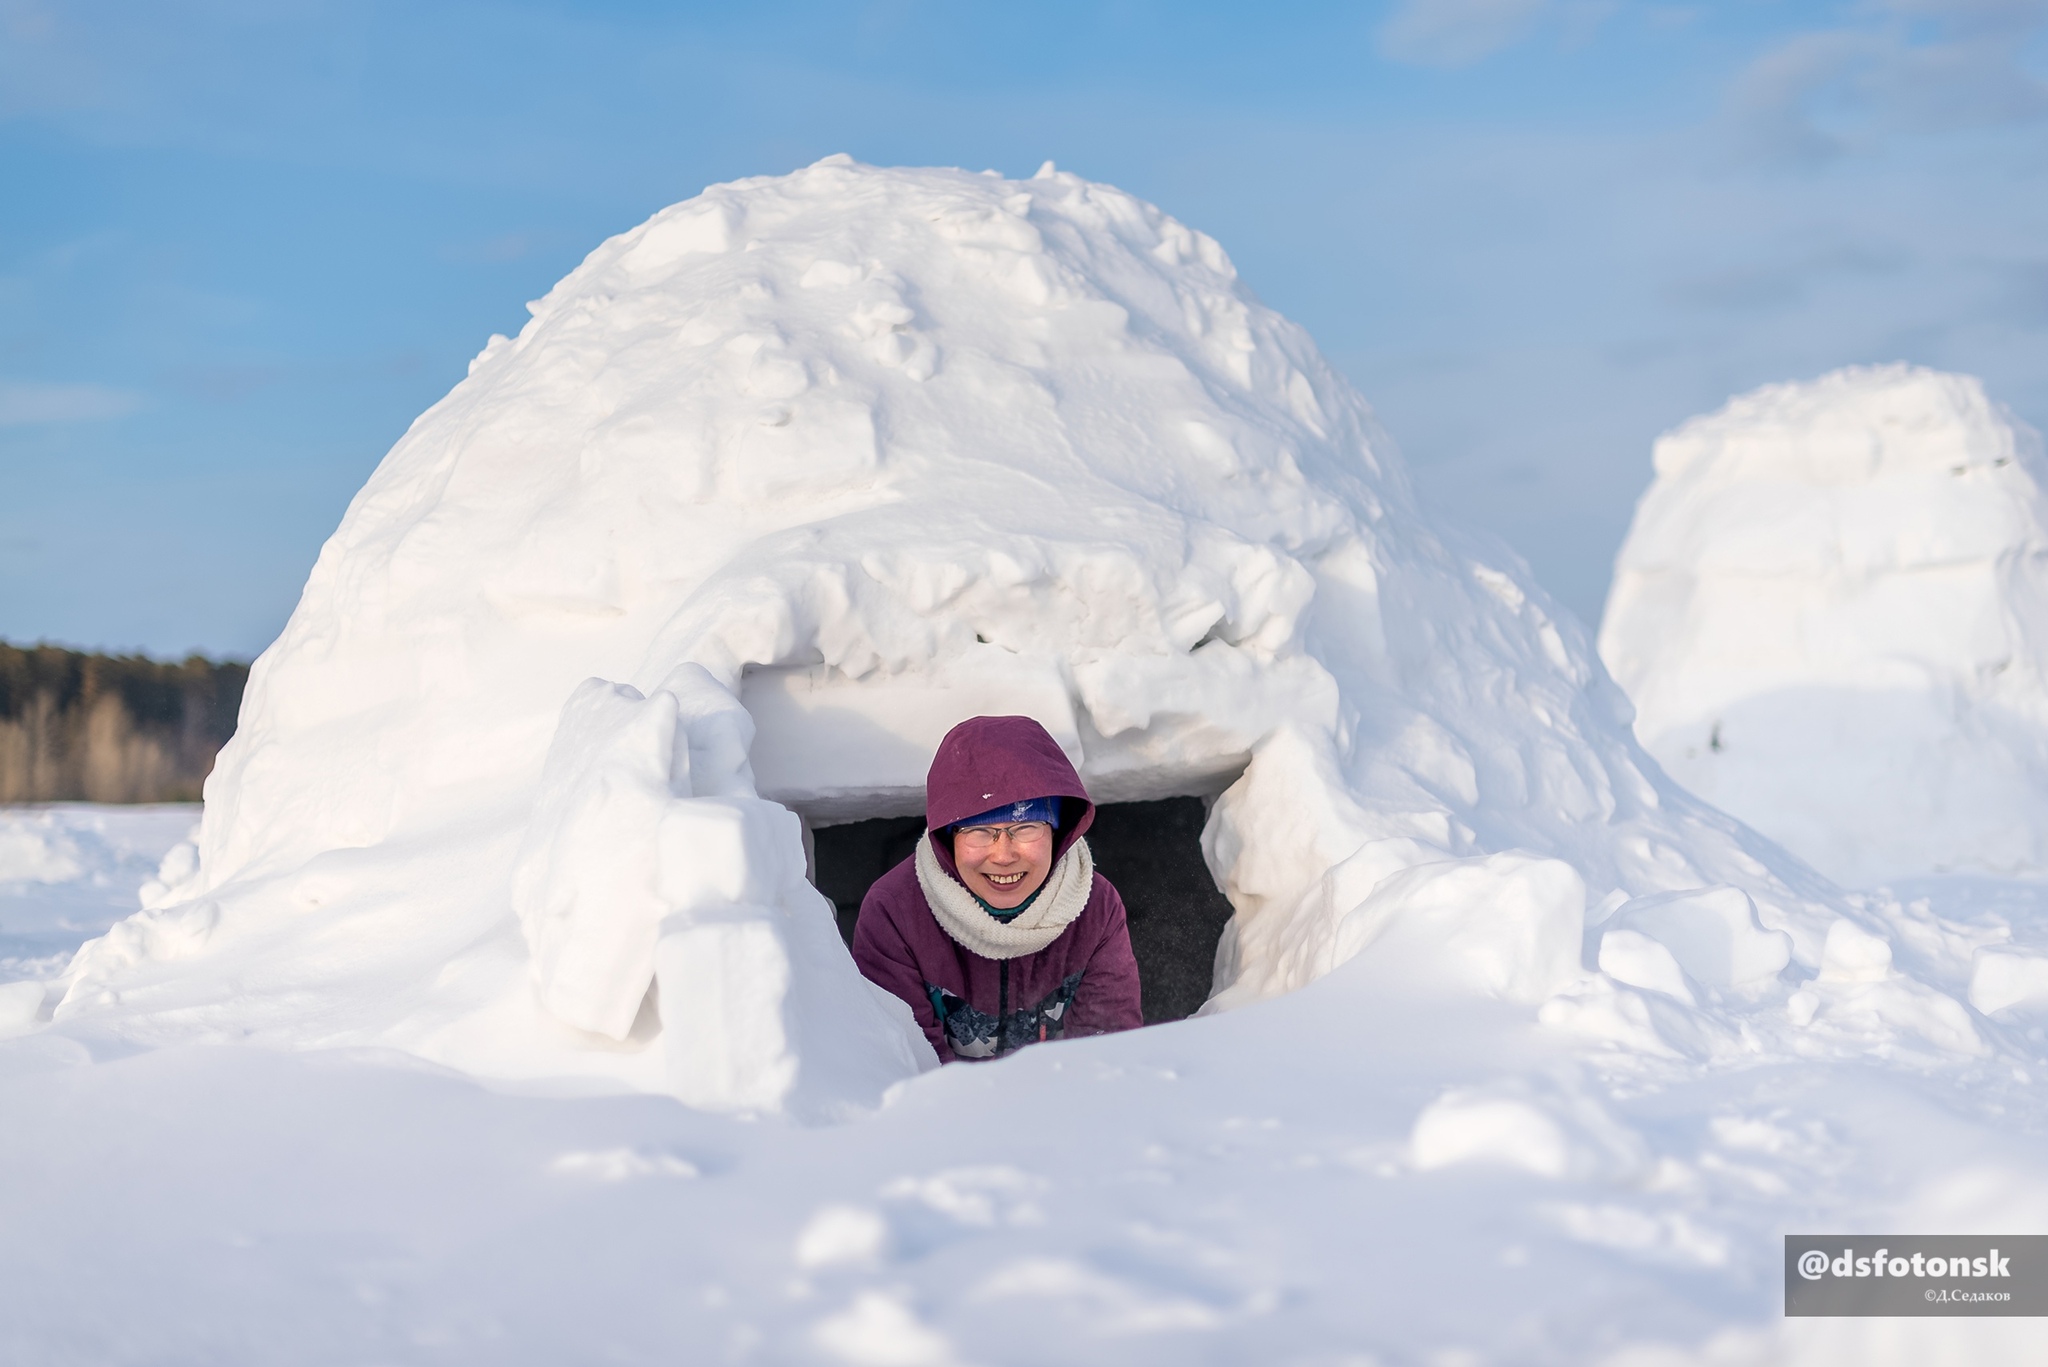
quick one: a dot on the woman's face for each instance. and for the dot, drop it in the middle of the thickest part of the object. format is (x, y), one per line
(1004, 871)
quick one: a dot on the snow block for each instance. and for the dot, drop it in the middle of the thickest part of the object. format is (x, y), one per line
(717, 851)
(1629, 956)
(1854, 955)
(725, 979)
(586, 891)
(1507, 924)
(2003, 979)
(1712, 933)
(762, 1010)
(630, 881)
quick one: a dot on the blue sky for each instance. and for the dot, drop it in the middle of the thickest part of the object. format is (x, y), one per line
(244, 242)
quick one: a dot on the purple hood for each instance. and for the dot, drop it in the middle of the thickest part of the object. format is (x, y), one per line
(987, 762)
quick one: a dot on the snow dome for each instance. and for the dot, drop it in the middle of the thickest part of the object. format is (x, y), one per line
(1832, 615)
(771, 491)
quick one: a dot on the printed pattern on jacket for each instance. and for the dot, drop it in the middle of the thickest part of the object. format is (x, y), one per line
(977, 1034)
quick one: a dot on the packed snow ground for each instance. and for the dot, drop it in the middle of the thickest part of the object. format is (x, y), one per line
(1359, 1172)
(1519, 1052)
(69, 871)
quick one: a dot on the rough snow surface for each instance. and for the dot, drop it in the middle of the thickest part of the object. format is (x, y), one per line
(1518, 1051)
(1369, 1170)
(1832, 616)
(69, 871)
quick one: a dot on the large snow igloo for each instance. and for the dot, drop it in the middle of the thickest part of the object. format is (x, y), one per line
(772, 490)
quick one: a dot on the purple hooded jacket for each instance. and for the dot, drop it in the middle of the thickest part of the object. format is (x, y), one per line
(1083, 983)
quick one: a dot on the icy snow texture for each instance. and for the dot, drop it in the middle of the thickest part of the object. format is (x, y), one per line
(1832, 615)
(770, 492)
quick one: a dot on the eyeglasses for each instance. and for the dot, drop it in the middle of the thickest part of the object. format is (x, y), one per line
(980, 838)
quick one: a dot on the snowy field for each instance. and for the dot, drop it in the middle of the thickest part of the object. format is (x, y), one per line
(1349, 1174)
(489, 1018)
(69, 871)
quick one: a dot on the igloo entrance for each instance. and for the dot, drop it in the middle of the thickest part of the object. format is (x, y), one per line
(1151, 851)
(850, 756)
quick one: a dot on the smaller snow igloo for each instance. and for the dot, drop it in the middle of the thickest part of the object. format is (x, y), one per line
(1831, 612)
(770, 491)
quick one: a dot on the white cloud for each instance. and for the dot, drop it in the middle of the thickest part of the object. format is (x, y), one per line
(1456, 32)
(1826, 93)
(23, 402)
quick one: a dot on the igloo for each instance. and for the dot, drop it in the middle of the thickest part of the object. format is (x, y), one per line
(770, 491)
(1832, 614)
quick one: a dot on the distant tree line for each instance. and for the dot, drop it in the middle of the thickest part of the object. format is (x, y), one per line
(111, 728)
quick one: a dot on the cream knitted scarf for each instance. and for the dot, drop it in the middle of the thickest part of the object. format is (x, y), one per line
(1038, 925)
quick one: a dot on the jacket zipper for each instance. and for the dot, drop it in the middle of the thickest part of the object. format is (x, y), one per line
(1002, 1005)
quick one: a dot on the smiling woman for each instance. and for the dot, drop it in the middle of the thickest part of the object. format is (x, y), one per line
(1151, 852)
(997, 931)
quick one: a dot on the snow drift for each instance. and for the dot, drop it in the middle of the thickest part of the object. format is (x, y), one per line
(775, 488)
(68, 872)
(1832, 615)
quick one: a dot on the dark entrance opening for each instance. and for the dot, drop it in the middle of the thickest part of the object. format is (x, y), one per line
(1152, 851)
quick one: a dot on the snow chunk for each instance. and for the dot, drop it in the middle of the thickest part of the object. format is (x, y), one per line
(1508, 924)
(587, 891)
(1711, 933)
(1461, 1129)
(2002, 980)
(1629, 956)
(1557, 1137)
(1855, 955)
(631, 880)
